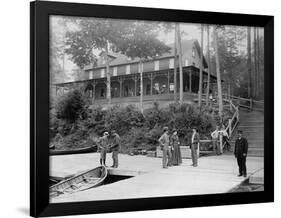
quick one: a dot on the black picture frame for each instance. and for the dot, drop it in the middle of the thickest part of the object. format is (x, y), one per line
(39, 108)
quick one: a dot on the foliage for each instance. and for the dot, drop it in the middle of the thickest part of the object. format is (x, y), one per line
(92, 34)
(141, 41)
(137, 130)
(71, 106)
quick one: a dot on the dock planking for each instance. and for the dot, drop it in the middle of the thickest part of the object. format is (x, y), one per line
(215, 174)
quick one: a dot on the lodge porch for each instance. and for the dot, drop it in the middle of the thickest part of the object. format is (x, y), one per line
(157, 85)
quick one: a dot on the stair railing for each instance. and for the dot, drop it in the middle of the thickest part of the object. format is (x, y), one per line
(248, 103)
(232, 123)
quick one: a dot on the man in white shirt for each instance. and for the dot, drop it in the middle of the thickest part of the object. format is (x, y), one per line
(225, 138)
(215, 138)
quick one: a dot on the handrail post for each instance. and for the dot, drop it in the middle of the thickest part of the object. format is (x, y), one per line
(220, 145)
(230, 128)
(239, 100)
(251, 104)
(237, 114)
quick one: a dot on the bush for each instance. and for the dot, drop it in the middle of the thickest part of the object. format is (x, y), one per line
(137, 131)
(71, 106)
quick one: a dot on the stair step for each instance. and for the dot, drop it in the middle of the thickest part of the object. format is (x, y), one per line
(252, 125)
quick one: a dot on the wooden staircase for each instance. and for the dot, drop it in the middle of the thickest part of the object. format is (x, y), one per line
(252, 125)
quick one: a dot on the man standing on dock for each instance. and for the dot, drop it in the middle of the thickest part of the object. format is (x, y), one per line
(115, 146)
(165, 143)
(103, 146)
(240, 152)
(195, 144)
(215, 139)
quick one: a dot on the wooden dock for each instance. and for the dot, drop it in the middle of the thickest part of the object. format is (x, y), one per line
(215, 174)
(257, 177)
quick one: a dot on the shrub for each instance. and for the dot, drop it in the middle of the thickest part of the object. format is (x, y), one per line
(137, 131)
(71, 106)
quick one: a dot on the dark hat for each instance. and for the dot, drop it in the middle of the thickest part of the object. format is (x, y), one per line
(240, 131)
(165, 128)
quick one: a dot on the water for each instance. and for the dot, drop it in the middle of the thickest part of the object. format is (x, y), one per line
(108, 180)
(114, 178)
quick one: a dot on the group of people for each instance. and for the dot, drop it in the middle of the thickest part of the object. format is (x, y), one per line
(109, 143)
(220, 133)
(170, 145)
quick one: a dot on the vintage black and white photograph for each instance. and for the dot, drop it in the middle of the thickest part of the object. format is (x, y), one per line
(144, 109)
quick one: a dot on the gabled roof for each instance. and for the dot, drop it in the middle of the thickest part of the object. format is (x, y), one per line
(120, 59)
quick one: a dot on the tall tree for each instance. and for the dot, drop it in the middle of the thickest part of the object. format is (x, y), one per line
(208, 57)
(108, 76)
(142, 43)
(255, 63)
(258, 63)
(231, 41)
(201, 69)
(249, 65)
(90, 34)
(57, 56)
(179, 48)
(218, 71)
(175, 64)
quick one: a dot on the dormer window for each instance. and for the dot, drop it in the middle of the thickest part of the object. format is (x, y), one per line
(103, 61)
(91, 75)
(193, 52)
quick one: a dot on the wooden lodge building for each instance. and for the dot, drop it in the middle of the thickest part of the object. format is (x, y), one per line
(158, 76)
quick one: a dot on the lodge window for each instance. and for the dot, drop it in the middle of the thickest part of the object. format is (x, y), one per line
(171, 63)
(103, 60)
(140, 67)
(102, 73)
(91, 74)
(114, 71)
(128, 69)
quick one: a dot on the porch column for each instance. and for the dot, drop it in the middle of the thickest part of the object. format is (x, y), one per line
(136, 81)
(151, 82)
(190, 81)
(120, 82)
(94, 91)
(168, 82)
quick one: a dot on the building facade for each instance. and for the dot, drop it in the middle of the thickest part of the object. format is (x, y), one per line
(158, 75)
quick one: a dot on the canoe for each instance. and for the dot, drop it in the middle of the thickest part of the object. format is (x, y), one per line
(80, 182)
(73, 151)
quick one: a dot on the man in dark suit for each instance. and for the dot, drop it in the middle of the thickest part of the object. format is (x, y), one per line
(240, 152)
(103, 147)
(195, 146)
(115, 140)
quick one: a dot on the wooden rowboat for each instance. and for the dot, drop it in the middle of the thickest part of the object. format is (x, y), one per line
(73, 151)
(80, 182)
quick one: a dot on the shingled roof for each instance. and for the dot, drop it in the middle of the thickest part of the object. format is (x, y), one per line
(120, 59)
